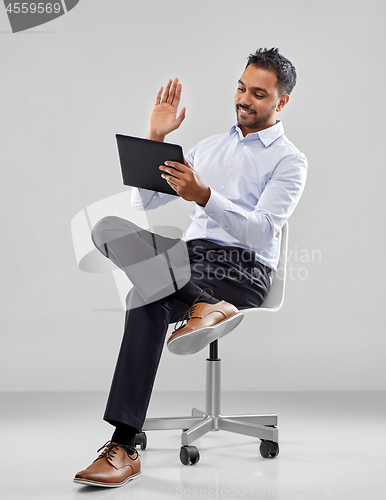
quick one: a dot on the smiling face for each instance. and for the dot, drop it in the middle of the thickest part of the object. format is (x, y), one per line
(258, 100)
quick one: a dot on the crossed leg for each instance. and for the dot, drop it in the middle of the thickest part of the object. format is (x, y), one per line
(157, 266)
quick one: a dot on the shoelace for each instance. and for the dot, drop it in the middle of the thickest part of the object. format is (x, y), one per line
(188, 315)
(109, 450)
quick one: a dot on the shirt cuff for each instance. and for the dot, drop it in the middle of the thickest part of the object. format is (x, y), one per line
(216, 205)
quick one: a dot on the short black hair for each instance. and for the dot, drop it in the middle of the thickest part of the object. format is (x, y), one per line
(272, 60)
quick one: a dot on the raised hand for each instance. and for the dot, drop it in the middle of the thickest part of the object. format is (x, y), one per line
(163, 118)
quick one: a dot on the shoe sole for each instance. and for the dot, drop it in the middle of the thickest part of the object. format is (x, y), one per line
(106, 485)
(192, 342)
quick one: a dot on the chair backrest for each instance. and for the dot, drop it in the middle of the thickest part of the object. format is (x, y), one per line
(275, 298)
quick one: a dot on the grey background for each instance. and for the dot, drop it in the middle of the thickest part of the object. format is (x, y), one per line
(69, 86)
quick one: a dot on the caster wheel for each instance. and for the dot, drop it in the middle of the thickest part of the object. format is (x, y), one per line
(269, 449)
(189, 455)
(141, 440)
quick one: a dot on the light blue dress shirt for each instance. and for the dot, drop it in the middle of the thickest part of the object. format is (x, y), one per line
(255, 181)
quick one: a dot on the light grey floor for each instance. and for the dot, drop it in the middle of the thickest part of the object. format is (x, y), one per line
(332, 445)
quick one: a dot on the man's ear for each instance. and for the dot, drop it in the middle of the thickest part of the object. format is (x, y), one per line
(282, 102)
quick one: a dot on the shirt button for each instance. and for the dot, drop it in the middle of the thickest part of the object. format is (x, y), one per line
(232, 165)
(222, 187)
(210, 213)
(227, 228)
(242, 143)
(210, 230)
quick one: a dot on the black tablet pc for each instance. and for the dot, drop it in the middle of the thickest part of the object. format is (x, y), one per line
(140, 160)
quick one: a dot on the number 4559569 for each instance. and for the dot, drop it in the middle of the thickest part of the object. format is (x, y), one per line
(40, 8)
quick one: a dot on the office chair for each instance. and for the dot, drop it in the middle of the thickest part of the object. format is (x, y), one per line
(200, 422)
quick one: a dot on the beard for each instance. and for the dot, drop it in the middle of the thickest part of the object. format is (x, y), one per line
(253, 121)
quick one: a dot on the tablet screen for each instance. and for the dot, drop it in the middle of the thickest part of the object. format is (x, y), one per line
(140, 160)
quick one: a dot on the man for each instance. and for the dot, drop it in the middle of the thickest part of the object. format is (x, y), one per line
(245, 183)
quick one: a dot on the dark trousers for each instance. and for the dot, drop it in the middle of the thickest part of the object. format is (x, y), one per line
(230, 272)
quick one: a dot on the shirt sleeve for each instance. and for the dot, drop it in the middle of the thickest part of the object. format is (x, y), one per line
(276, 203)
(145, 199)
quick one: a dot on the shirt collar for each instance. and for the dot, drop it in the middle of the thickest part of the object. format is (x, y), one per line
(267, 136)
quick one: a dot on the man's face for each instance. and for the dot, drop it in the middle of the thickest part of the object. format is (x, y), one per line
(257, 100)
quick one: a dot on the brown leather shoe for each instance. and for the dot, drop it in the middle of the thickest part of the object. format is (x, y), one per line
(114, 467)
(205, 323)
